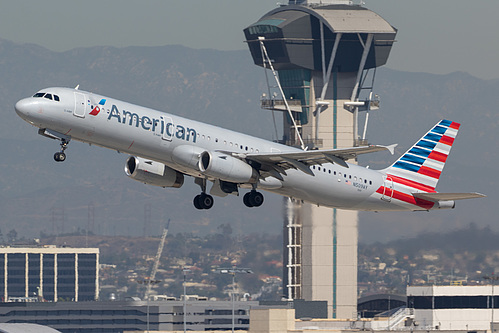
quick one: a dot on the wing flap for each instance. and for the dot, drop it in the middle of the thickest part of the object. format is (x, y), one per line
(435, 197)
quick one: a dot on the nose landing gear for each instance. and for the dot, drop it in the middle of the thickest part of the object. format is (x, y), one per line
(64, 138)
(61, 156)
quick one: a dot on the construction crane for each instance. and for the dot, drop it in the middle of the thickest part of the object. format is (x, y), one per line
(156, 260)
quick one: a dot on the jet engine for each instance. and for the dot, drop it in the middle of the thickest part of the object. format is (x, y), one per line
(152, 173)
(226, 167)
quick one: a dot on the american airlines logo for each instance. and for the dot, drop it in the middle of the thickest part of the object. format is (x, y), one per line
(95, 111)
(158, 126)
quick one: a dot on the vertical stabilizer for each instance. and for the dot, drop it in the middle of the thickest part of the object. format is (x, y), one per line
(420, 167)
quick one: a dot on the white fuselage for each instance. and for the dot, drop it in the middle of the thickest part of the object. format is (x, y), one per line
(156, 135)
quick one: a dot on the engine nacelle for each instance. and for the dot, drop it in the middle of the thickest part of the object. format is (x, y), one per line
(226, 167)
(152, 173)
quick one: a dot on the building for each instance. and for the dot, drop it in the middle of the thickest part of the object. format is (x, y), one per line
(120, 316)
(325, 53)
(470, 308)
(49, 273)
(26, 328)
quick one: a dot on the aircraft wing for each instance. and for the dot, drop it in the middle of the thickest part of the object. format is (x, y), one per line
(275, 164)
(435, 197)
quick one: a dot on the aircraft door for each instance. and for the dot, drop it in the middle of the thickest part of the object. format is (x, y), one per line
(80, 105)
(168, 128)
(387, 189)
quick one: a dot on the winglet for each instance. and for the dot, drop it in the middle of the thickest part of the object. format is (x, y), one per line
(391, 148)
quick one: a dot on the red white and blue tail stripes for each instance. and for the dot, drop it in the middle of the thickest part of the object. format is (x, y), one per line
(419, 169)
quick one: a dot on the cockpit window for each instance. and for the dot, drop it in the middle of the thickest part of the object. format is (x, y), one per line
(47, 96)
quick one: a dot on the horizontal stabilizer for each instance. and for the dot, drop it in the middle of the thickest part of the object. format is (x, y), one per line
(447, 196)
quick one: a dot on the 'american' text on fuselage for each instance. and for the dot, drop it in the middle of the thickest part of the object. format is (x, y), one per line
(165, 128)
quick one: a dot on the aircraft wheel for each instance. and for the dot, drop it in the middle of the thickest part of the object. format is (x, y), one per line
(203, 201)
(206, 201)
(59, 157)
(255, 199)
(246, 200)
(197, 202)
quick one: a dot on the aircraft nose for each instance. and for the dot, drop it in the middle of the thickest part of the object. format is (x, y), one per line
(24, 107)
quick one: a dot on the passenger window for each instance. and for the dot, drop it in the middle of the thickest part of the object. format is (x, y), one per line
(48, 96)
(56, 98)
(370, 182)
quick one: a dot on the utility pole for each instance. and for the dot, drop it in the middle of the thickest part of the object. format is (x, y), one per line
(233, 271)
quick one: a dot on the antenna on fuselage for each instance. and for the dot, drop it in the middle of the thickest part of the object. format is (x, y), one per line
(78, 86)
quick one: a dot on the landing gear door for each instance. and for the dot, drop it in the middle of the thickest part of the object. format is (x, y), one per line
(168, 128)
(387, 190)
(80, 105)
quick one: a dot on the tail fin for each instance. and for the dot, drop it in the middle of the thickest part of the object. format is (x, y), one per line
(420, 167)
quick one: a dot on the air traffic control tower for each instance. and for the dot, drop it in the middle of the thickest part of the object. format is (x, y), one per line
(323, 57)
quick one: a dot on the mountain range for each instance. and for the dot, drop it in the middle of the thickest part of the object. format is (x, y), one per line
(90, 191)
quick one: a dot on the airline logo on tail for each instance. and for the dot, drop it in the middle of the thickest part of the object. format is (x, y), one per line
(428, 156)
(95, 111)
(419, 169)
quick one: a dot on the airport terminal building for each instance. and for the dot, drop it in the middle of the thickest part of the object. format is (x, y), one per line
(49, 273)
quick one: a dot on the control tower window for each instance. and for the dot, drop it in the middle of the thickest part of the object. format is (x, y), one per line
(262, 29)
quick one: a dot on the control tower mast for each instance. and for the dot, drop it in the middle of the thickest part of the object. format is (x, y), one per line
(324, 54)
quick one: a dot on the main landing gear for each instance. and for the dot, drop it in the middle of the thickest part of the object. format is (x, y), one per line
(253, 199)
(61, 156)
(203, 200)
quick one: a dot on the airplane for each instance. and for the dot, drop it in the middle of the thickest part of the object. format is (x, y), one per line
(164, 148)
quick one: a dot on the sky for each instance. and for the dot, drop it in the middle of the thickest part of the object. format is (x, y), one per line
(434, 36)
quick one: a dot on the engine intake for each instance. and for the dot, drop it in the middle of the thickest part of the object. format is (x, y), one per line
(226, 167)
(152, 173)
